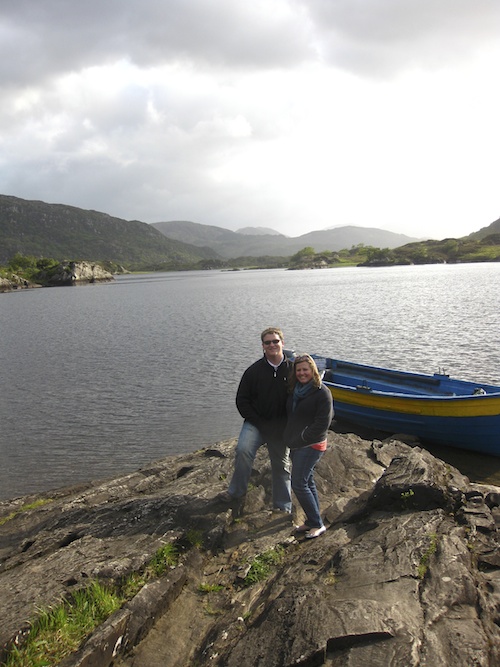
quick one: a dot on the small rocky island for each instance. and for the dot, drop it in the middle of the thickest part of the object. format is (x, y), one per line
(62, 275)
(407, 574)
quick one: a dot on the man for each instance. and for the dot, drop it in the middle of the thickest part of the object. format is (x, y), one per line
(261, 401)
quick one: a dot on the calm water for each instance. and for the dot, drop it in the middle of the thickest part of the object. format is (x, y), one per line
(99, 380)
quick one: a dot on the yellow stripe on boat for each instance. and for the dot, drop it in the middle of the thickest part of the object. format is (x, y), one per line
(452, 406)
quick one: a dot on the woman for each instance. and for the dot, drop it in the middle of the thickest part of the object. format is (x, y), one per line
(310, 412)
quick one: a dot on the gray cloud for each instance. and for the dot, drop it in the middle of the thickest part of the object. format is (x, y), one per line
(52, 37)
(42, 39)
(387, 36)
(277, 112)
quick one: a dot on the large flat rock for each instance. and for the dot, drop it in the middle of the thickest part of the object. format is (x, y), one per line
(407, 573)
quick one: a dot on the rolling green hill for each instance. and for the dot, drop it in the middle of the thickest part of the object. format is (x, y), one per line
(66, 232)
(494, 228)
(37, 229)
(238, 244)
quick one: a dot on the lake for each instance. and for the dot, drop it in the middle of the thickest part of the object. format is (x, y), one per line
(99, 380)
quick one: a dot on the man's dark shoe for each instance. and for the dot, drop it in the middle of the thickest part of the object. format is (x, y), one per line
(237, 506)
(224, 497)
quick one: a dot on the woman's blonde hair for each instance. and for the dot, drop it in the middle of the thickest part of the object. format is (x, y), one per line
(316, 379)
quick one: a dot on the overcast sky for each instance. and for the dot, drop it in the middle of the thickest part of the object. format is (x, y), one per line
(290, 114)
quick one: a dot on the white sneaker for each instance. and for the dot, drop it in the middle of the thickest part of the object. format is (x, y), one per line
(315, 532)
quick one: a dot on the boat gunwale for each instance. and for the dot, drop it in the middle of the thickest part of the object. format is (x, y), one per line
(360, 389)
(333, 366)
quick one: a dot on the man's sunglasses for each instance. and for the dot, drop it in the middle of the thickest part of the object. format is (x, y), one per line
(271, 342)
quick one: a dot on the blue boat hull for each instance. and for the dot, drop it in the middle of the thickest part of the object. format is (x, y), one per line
(435, 408)
(480, 434)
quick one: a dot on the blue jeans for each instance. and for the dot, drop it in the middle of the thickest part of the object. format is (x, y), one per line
(303, 463)
(249, 441)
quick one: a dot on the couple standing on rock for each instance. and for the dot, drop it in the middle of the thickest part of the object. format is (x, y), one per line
(286, 406)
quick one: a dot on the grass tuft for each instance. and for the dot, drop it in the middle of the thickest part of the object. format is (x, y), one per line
(60, 630)
(262, 565)
(424, 561)
(195, 538)
(25, 508)
(210, 588)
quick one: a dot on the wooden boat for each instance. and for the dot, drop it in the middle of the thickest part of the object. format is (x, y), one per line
(435, 408)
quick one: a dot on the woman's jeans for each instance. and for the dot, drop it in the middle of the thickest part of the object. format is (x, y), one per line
(303, 462)
(249, 442)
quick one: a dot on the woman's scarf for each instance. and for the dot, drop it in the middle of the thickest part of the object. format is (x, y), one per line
(301, 391)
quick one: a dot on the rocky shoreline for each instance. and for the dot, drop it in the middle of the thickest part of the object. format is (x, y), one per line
(407, 574)
(66, 273)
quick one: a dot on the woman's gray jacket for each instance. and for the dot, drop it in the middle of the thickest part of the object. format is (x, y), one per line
(308, 424)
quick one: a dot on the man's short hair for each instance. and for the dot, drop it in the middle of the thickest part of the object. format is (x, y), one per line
(272, 330)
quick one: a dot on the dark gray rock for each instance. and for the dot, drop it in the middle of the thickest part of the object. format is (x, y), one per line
(407, 573)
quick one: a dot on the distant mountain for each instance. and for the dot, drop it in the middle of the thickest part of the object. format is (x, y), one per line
(258, 231)
(194, 233)
(235, 244)
(350, 235)
(494, 228)
(66, 232)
